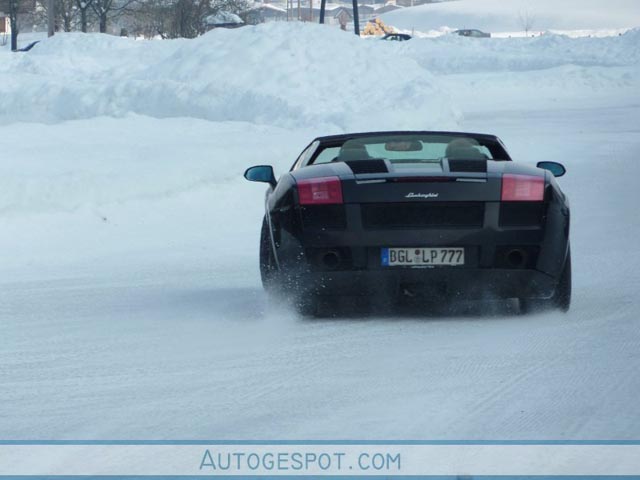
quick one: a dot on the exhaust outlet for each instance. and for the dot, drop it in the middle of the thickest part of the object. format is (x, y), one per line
(331, 259)
(517, 257)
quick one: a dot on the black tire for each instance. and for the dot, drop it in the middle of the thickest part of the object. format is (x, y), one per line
(268, 265)
(561, 299)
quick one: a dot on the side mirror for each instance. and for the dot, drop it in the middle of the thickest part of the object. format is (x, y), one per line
(557, 169)
(261, 173)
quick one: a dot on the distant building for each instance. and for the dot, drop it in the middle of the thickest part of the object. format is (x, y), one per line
(389, 7)
(264, 12)
(223, 20)
(334, 14)
(5, 25)
(413, 3)
(366, 12)
(343, 17)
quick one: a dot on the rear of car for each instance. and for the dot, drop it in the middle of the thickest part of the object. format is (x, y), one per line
(392, 215)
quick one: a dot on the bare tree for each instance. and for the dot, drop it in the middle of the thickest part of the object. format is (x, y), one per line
(232, 6)
(526, 19)
(188, 18)
(14, 8)
(84, 8)
(66, 14)
(108, 9)
(180, 18)
(149, 18)
(102, 8)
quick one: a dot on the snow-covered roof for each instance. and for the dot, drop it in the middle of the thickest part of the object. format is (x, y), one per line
(266, 6)
(224, 18)
(388, 7)
(333, 6)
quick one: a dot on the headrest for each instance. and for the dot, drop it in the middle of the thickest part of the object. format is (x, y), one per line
(464, 149)
(353, 152)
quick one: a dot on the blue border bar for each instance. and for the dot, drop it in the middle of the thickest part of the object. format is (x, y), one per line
(319, 442)
(334, 477)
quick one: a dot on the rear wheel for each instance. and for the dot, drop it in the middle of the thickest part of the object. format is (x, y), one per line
(561, 299)
(268, 265)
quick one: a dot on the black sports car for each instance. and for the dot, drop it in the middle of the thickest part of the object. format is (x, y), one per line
(397, 37)
(433, 215)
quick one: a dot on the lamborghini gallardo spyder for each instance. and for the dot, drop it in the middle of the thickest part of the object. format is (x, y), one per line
(443, 216)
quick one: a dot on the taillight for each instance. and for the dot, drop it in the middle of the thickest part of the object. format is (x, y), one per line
(320, 191)
(522, 188)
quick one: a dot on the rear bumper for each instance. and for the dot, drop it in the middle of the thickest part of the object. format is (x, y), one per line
(489, 269)
(438, 282)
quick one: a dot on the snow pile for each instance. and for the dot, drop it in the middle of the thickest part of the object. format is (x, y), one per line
(454, 54)
(84, 165)
(276, 74)
(192, 114)
(508, 15)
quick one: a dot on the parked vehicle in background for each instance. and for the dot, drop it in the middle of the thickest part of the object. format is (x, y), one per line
(397, 37)
(473, 33)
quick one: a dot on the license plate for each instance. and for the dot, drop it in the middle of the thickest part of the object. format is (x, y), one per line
(420, 257)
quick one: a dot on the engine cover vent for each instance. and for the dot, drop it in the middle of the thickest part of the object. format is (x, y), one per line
(468, 166)
(368, 166)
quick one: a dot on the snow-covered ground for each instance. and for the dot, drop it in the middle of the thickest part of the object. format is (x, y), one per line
(130, 303)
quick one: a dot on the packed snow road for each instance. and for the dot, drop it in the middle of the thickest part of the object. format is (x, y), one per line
(180, 342)
(130, 304)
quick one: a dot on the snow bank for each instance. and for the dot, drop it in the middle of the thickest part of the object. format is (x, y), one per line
(454, 54)
(85, 165)
(283, 74)
(144, 120)
(504, 15)
(288, 75)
